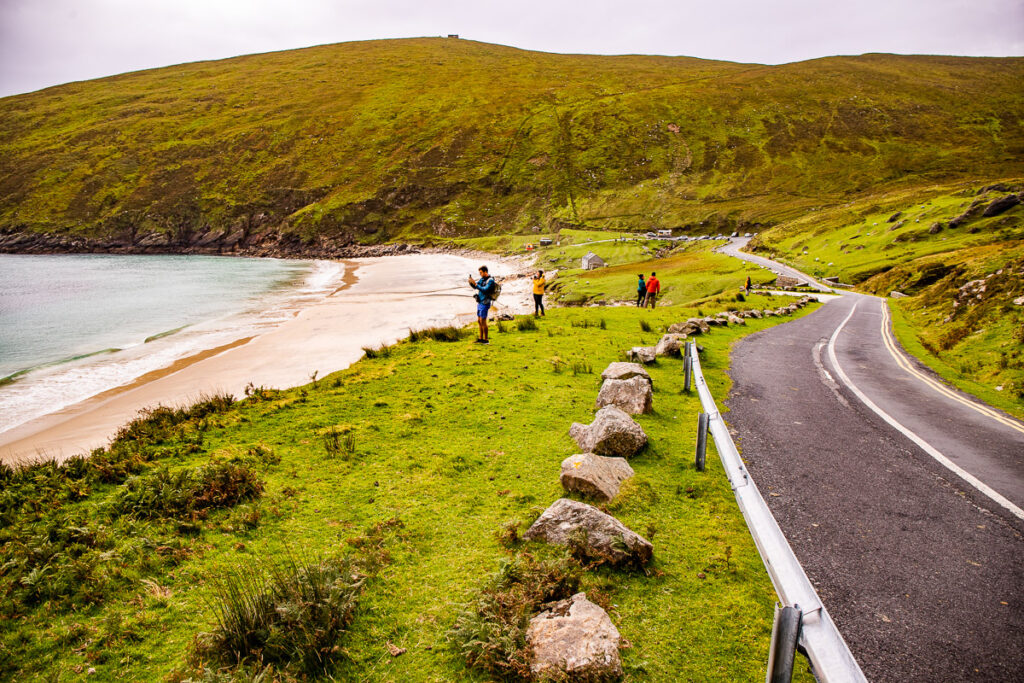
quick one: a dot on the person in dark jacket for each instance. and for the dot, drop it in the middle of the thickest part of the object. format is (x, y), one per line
(641, 290)
(484, 296)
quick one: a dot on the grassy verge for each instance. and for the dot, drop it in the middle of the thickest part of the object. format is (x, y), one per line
(994, 354)
(456, 442)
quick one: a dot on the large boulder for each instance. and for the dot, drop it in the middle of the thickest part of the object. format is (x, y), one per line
(594, 533)
(574, 640)
(595, 475)
(624, 371)
(670, 345)
(642, 354)
(736, 320)
(612, 432)
(691, 327)
(632, 395)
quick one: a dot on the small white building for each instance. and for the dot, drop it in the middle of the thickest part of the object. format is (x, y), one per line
(664, 233)
(592, 261)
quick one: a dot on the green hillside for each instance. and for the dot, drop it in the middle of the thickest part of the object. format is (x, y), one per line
(438, 138)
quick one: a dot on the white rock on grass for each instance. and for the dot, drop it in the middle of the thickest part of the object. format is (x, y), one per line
(670, 345)
(612, 432)
(597, 534)
(691, 327)
(642, 354)
(633, 395)
(624, 371)
(574, 640)
(736, 320)
(596, 476)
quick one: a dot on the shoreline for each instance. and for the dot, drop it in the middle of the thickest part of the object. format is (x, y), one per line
(379, 301)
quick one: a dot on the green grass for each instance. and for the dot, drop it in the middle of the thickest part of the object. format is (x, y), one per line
(690, 272)
(454, 440)
(432, 139)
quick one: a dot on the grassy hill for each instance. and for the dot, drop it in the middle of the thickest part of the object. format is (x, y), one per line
(438, 138)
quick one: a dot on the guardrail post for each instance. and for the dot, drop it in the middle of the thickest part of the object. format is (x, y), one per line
(702, 439)
(687, 368)
(785, 634)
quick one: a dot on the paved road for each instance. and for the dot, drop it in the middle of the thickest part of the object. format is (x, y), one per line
(737, 243)
(920, 565)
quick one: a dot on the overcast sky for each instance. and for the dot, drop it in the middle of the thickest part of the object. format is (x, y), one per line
(48, 42)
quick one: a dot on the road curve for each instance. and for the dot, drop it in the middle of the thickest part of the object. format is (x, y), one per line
(900, 496)
(733, 247)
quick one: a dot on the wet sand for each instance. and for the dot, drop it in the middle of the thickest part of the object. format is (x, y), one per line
(380, 300)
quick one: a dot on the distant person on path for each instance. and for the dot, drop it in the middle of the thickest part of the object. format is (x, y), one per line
(748, 285)
(484, 291)
(539, 283)
(641, 290)
(653, 287)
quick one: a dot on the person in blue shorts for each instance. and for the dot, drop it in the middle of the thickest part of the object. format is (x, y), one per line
(484, 291)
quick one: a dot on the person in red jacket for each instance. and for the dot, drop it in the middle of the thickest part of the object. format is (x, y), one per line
(653, 287)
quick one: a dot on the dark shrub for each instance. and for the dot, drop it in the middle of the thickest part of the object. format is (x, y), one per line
(188, 494)
(293, 617)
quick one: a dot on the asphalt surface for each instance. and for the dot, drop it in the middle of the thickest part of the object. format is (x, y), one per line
(737, 243)
(922, 572)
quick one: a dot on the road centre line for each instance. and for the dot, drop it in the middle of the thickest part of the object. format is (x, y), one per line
(901, 360)
(924, 445)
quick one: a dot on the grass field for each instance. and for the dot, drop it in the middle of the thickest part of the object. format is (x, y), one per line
(452, 439)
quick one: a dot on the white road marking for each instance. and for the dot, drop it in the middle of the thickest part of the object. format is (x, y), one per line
(826, 376)
(924, 445)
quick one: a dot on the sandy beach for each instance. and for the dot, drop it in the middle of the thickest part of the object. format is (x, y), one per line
(380, 301)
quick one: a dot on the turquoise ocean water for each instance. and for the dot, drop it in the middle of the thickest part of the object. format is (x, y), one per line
(72, 326)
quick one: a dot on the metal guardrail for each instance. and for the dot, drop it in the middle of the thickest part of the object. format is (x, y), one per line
(820, 639)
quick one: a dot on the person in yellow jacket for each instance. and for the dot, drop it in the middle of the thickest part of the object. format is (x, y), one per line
(539, 283)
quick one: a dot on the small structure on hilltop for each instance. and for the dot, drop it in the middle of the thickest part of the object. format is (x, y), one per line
(592, 261)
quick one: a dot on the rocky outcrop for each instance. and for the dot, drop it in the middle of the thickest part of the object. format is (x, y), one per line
(594, 475)
(594, 533)
(612, 432)
(235, 242)
(1001, 205)
(642, 354)
(633, 396)
(670, 345)
(574, 640)
(624, 371)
